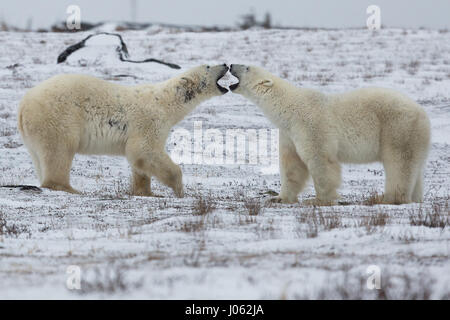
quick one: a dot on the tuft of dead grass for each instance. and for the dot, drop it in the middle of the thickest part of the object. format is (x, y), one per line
(253, 206)
(194, 225)
(436, 217)
(402, 286)
(203, 205)
(312, 219)
(374, 198)
(371, 222)
(12, 229)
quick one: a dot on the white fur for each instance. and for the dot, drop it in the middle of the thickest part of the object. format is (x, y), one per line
(70, 114)
(319, 131)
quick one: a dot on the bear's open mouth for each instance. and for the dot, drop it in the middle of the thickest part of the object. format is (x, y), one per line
(234, 85)
(222, 89)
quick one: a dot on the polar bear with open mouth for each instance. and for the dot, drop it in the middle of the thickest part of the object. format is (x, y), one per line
(69, 114)
(320, 131)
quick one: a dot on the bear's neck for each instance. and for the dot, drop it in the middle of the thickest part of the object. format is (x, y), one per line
(285, 102)
(179, 109)
(182, 100)
(176, 102)
(275, 106)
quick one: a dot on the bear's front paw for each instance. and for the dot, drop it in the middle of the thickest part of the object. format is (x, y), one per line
(179, 192)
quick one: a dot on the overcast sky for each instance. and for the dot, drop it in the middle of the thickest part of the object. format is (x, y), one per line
(315, 13)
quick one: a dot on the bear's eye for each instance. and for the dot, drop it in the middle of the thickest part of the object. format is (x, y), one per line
(248, 68)
(207, 67)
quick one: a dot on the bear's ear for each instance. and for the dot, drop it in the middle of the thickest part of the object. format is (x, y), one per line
(266, 83)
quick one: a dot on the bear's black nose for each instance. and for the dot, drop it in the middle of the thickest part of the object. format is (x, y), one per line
(231, 67)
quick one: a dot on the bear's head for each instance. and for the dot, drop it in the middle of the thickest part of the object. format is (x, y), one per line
(201, 82)
(252, 80)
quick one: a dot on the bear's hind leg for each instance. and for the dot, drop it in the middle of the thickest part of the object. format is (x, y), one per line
(37, 165)
(55, 167)
(293, 171)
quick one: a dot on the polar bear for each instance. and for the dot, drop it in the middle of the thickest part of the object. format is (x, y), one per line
(319, 131)
(69, 114)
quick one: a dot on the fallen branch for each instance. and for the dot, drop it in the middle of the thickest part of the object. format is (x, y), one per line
(122, 51)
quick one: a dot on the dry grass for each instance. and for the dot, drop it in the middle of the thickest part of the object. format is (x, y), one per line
(202, 208)
(393, 287)
(436, 217)
(246, 220)
(12, 229)
(7, 132)
(312, 219)
(266, 229)
(253, 206)
(193, 226)
(374, 198)
(371, 222)
(388, 66)
(324, 79)
(412, 67)
(203, 205)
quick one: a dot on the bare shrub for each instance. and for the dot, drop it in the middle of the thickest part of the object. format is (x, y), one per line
(249, 20)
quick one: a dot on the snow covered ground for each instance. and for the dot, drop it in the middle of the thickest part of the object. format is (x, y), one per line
(241, 248)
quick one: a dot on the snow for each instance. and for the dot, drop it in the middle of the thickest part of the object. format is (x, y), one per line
(160, 247)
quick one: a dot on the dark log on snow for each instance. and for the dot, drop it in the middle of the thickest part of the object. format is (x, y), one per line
(122, 51)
